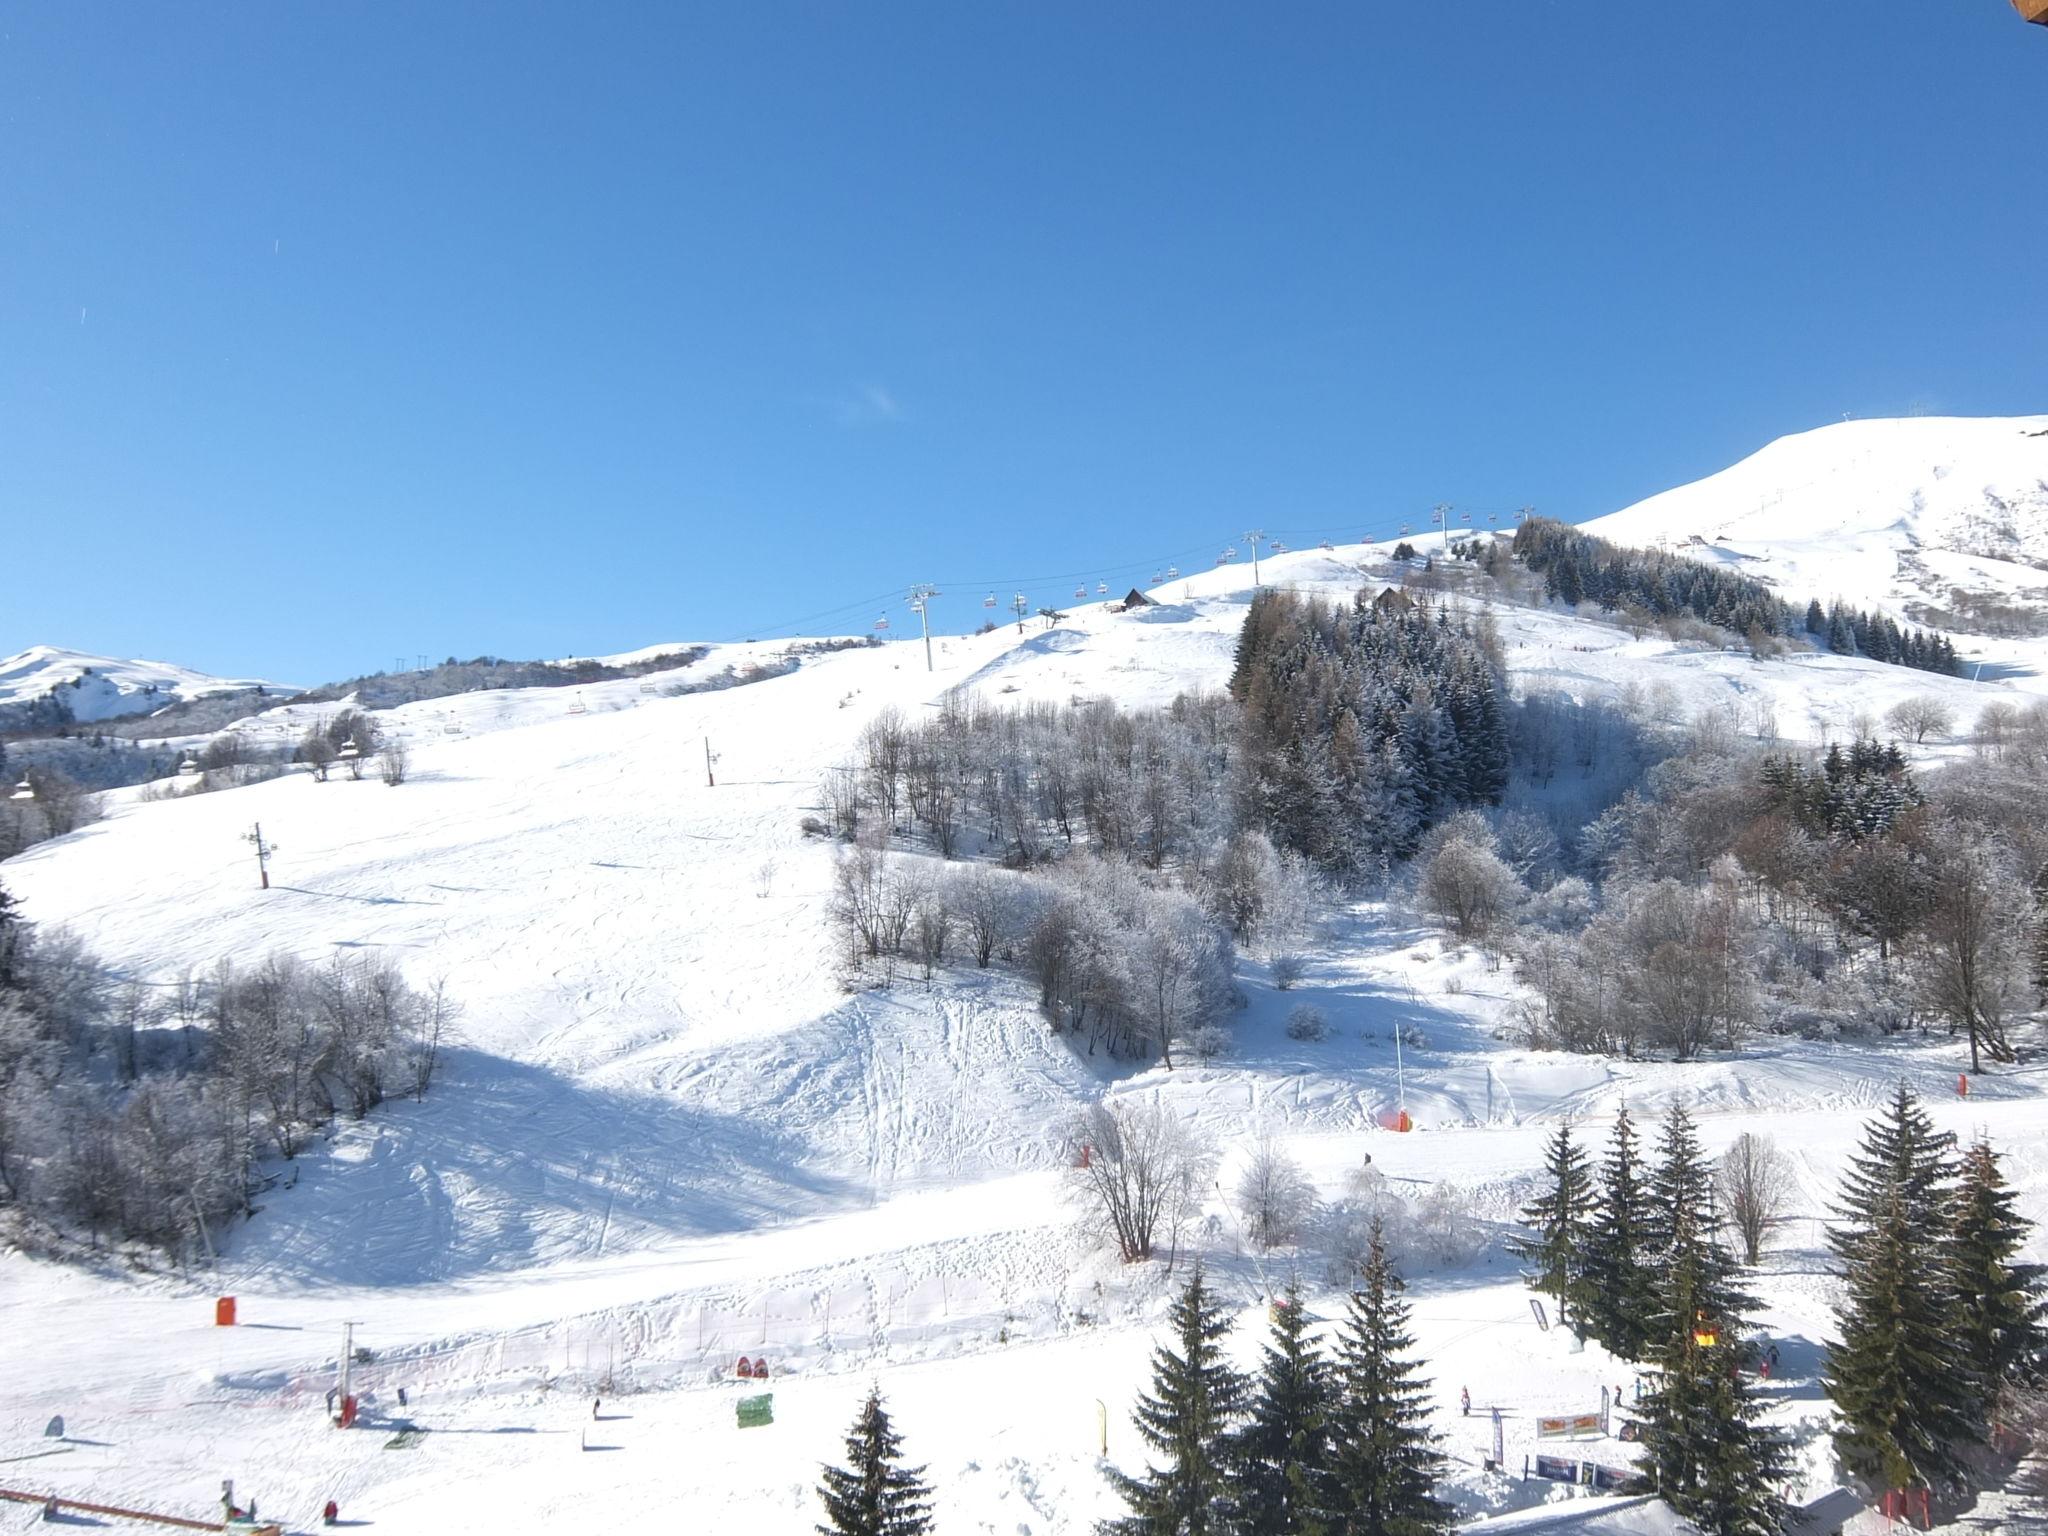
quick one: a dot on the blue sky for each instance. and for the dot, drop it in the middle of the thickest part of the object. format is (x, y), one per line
(331, 333)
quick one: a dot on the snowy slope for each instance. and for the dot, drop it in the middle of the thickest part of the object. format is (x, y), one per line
(101, 687)
(1900, 515)
(670, 1134)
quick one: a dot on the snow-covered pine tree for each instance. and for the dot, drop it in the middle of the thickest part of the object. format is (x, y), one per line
(874, 1494)
(1384, 1463)
(1705, 1453)
(1621, 1285)
(1187, 1419)
(1561, 1217)
(2001, 1310)
(1280, 1459)
(1900, 1377)
(1682, 1199)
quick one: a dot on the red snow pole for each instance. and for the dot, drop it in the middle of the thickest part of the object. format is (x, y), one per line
(1962, 1085)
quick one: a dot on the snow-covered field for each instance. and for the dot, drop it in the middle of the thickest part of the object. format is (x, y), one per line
(670, 1136)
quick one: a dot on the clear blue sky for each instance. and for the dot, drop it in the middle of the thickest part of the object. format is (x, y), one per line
(333, 332)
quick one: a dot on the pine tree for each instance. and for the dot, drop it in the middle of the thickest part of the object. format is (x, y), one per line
(1900, 1378)
(874, 1494)
(2000, 1320)
(1621, 1284)
(1681, 1207)
(1280, 1461)
(1384, 1461)
(1186, 1418)
(1704, 1451)
(1561, 1217)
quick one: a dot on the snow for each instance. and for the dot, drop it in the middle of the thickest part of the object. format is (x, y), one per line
(107, 686)
(1886, 514)
(669, 1134)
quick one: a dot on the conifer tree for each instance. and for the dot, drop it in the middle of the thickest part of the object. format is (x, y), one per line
(1900, 1377)
(1681, 1210)
(874, 1494)
(2000, 1319)
(1621, 1286)
(1705, 1453)
(1187, 1419)
(1561, 1216)
(1280, 1463)
(1384, 1462)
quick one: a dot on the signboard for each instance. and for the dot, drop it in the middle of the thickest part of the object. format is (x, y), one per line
(1610, 1479)
(1558, 1469)
(754, 1412)
(1568, 1426)
(1499, 1449)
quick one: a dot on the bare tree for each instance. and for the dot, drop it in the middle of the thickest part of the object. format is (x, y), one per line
(1140, 1169)
(1275, 1198)
(316, 752)
(1756, 1190)
(1469, 887)
(1920, 714)
(394, 761)
(984, 901)
(1968, 963)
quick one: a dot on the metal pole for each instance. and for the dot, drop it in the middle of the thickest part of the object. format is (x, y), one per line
(348, 1340)
(1252, 537)
(920, 599)
(709, 781)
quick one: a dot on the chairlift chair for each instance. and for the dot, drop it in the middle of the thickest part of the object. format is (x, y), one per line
(1278, 548)
(1172, 572)
(576, 708)
(1080, 593)
(189, 767)
(882, 622)
(989, 601)
(1102, 589)
(23, 791)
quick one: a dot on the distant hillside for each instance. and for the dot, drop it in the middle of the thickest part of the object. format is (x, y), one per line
(1935, 520)
(48, 686)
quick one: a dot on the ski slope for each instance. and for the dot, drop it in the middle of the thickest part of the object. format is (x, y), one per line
(670, 1135)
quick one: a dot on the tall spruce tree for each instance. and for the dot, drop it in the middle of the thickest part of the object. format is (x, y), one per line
(1384, 1463)
(1561, 1217)
(1681, 1210)
(1901, 1378)
(1621, 1282)
(1280, 1462)
(874, 1494)
(1705, 1451)
(1186, 1418)
(2000, 1316)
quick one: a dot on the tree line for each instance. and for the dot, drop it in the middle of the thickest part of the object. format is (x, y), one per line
(1941, 1327)
(1577, 567)
(157, 1115)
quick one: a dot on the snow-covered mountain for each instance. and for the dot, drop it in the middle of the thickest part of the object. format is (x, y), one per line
(672, 1132)
(1937, 520)
(102, 687)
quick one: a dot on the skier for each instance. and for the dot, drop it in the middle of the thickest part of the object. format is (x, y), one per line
(1774, 1357)
(331, 1513)
(401, 1397)
(1465, 1400)
(595, 1404)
